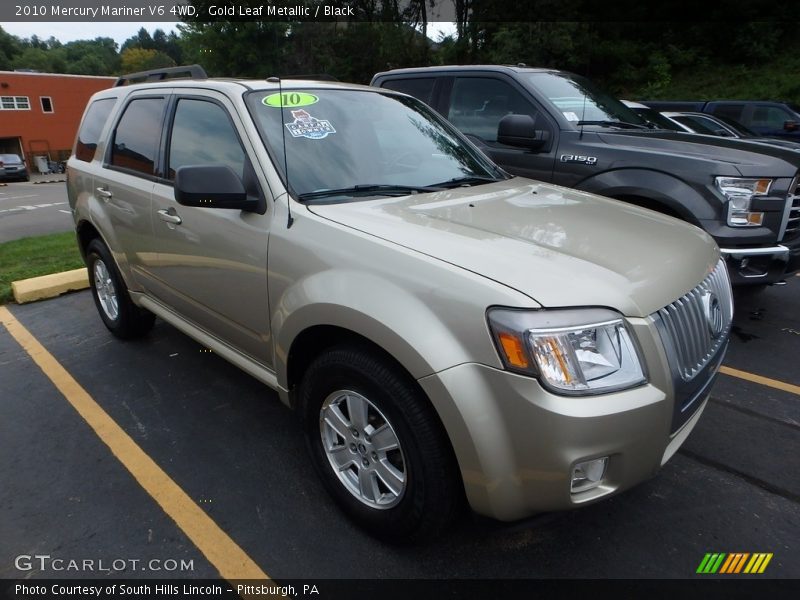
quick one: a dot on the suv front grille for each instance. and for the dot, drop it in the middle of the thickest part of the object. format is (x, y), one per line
(697, 325)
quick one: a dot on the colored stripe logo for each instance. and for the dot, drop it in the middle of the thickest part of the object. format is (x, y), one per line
(734, 563)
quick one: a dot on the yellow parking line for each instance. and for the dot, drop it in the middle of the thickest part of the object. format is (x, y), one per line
(221, 551)
(773, 383)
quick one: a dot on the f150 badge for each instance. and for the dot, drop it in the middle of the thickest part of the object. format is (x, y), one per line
(578, 158)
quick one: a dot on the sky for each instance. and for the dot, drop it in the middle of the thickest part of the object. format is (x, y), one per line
(68, 32)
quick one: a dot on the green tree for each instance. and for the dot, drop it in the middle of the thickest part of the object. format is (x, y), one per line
(10, 46)
(138, 59)
(35, 59)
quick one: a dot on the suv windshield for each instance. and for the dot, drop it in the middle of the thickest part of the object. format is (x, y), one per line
(582, 102)
(342, 144)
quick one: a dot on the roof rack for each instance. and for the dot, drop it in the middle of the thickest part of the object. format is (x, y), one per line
(312, 77)
(189, 71)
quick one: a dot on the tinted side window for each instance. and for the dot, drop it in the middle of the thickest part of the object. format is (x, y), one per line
(92, 126)
(421, 88)
(769, 117)
(202, 133)
(137, 136)
(732, 111)
(477, 104)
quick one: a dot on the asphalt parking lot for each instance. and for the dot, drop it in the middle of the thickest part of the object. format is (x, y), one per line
(237, 454)
(36, 207)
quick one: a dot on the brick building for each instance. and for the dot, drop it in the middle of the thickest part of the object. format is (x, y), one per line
(40, 112)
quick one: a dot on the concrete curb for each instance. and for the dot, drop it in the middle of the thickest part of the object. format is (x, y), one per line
(49, 286)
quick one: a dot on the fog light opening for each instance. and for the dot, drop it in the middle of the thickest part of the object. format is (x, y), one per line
(588, 474)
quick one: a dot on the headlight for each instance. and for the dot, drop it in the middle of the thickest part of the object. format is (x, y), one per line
(580, 351)
(740, 193)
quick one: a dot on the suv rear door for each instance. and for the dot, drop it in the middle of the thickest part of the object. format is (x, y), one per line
(125, 183)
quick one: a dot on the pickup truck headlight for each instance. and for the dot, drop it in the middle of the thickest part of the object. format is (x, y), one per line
(575, 352)
(740, 193)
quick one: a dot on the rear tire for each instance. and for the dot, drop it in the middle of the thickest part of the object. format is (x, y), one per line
(379, 446)
(119, 314)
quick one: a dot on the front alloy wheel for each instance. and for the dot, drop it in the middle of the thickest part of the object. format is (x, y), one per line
(378, 444)
(363, 449)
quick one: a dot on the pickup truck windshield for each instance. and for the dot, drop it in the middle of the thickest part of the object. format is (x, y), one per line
(344, 145)
(580, 101)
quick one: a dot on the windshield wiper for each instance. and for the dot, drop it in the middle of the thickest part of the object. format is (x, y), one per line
(465, 181)
(384, 189)
(622, 124)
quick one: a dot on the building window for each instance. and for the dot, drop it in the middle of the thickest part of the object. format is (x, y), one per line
(47, 104)
(14, 103)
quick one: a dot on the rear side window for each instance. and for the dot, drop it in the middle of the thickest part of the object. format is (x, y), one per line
(421, 88)
(92, 126)
(137, 135)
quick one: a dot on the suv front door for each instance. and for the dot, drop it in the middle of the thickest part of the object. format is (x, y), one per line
(212, 262)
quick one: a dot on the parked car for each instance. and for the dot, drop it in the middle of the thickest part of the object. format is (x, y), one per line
(769, 119)
(13, 168)
(445, 331)
(560, 127)
(724, 127)
(655, 118)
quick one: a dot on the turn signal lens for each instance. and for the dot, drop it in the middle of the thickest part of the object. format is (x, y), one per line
(514, 350)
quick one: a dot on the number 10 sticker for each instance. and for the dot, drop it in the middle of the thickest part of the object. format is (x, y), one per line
(290, 99)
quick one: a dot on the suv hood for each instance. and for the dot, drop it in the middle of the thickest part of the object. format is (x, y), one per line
(559, 246)
(749, 160)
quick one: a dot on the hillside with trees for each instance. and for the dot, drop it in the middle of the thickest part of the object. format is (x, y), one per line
(755, 56)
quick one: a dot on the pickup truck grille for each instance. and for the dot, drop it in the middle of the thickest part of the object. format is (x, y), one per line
(696, 325)
(793, 215)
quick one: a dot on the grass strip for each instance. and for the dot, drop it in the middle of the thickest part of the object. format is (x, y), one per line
(35, 256)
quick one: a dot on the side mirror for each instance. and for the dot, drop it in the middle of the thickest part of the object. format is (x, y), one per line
(791, 126)
(520, 131)
(211, 186)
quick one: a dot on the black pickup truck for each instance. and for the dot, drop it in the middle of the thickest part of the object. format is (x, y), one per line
(559, 127)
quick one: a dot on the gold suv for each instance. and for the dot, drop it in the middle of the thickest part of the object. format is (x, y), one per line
(446, 331)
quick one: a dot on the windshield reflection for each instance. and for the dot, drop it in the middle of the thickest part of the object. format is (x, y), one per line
(354, 143)
(578, 99)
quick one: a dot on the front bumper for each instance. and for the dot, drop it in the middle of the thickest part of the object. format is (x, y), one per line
(517, 443)
(754, 266)
(13, 174)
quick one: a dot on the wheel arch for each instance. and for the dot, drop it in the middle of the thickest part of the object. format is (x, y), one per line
(655, 190)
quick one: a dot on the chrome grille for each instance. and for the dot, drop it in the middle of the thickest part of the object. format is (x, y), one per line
(793, 214)
(693, 328)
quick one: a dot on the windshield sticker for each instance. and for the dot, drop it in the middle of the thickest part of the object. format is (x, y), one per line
(571, 116)
(306, 126)
(290, 100)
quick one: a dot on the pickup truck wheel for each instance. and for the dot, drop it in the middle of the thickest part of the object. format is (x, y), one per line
(122, 317)
(378, 445)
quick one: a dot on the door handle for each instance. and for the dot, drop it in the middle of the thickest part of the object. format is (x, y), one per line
(104, 193)
(169, 217)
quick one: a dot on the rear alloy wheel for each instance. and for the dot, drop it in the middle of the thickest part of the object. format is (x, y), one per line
(122, 317)
(378, 445)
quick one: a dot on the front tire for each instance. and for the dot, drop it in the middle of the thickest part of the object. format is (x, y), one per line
(378, 445)
(119, 314)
